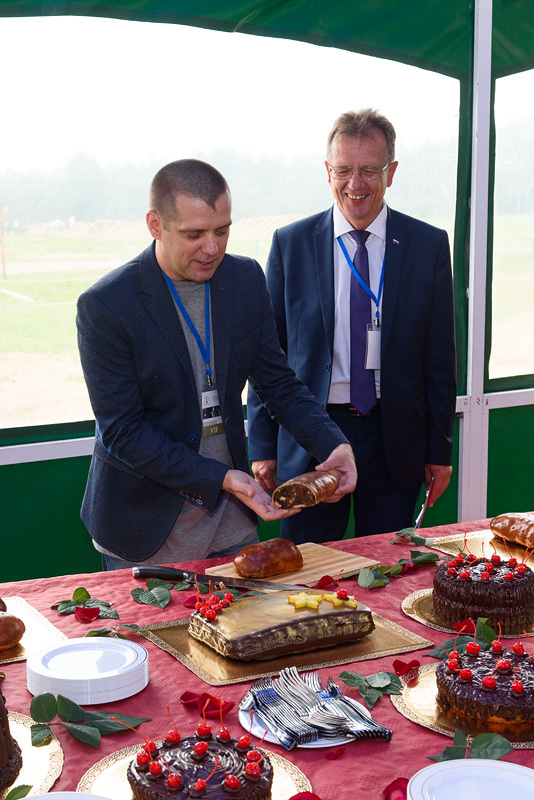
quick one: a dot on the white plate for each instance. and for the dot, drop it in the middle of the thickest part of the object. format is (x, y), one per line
(258, 730)
(472, 779)
(89, 670)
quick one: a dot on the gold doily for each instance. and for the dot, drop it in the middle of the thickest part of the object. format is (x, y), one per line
(108, 777)
(418, 703)
(41, 766)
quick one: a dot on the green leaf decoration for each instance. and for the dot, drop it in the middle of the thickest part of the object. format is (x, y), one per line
(108, 613)
(81, 595)
(459, 738)
(371, 697)
(84, 733)
(40, 734)
(422, 557)
(107, 726)
(202, 588)
(18, 791)
(67, 607)
(373, 687)
(415, 538)
(43, 707)
(159, 596)
(485, 634)
(69, 710)
(130, 625)
(379, 680)
(396, 570)
(490, 745)
(182, 586)
(354, 679)
(448, 644)
(153, 582)
(449, 754)
(102, 632)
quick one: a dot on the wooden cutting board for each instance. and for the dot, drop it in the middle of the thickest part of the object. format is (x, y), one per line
(318, 561)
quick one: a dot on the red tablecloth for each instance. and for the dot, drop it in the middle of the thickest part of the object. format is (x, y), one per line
(363, 770)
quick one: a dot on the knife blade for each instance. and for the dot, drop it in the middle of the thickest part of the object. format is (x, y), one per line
(419, 519)
(189, 576)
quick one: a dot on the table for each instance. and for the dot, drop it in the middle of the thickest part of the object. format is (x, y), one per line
(363, 770)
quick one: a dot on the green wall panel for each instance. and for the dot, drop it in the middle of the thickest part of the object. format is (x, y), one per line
(42, 534)
(510, 467)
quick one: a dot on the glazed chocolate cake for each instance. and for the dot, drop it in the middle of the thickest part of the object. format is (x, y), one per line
(10, 754)
(265, 626)
(508, 697)
(502, 591)
(252, 774)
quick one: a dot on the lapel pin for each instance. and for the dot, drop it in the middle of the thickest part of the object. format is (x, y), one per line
(395, 241)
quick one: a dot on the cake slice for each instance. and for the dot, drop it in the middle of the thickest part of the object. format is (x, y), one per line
(10, 753)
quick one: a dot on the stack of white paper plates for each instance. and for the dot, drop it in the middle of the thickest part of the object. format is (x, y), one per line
(89, 670)
(472, 779)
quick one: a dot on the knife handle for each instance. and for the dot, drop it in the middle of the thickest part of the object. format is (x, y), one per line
(165, 573)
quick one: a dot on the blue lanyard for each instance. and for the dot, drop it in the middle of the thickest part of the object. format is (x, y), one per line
(205, 351)
(362, 283)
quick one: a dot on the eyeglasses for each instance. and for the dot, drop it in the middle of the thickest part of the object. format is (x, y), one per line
(365, 173)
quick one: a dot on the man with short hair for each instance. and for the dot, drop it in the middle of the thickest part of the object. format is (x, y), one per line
(363, 302)
(167, 343)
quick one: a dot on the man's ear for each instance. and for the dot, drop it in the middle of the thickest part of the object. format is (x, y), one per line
(154, 224)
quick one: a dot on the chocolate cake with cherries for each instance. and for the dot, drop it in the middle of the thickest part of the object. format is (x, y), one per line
(10, 753)
(265, 626)
(203, 766)
(496, 688)
(502, 591)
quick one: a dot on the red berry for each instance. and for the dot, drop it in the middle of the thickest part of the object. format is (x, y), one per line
(465, 574)
(517, 686)
(224, 734)
(201, 748)
(211, 614)
(471, 557)
(218, 607)
(173, 736)
(473, 648)
(496, 559)
(143, 759)
(504, 664)
(454, 654)
(489, 567)
(229, 596)
(512, 562)
(150, 746)
(254, 755)
(508, 576)
(174, 780)
(459, 559)
(519, 648)
(521, 569)
(203, 729)
(155, 768)
(496, 646)
(451, 571)
(232, 781)
(225, 603)
(452, 664)
(198, 605)
(489, 682)
(342, 594)
(244, 742)
(466, 674)
(253, 769)
(484, 576)
(200, 785)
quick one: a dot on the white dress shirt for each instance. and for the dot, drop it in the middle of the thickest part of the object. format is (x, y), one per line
(376, 248)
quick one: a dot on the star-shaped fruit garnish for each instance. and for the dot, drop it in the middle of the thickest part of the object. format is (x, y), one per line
(304, 600)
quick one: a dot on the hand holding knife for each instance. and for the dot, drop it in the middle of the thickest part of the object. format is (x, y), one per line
(425, 504)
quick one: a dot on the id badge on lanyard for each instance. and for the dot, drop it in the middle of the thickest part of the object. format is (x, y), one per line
(212, 423)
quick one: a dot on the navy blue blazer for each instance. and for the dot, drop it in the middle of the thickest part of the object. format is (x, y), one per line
(142, 389)
(418, 384)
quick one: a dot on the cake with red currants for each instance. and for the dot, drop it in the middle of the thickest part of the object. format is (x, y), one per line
(207, 765)
(10, 753)
(492, 686)
(500, 590)
(265, 626)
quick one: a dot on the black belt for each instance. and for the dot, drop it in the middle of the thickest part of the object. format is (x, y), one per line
(353, 412)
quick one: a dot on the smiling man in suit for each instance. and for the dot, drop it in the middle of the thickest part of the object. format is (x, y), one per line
(167, 343)
(364, 308)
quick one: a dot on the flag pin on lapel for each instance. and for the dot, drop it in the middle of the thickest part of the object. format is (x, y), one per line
(395, 241)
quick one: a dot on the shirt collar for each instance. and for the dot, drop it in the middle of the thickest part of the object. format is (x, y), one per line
(377, 226)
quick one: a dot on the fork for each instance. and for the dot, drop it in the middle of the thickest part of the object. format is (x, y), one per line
(266, 697)
(286, 737)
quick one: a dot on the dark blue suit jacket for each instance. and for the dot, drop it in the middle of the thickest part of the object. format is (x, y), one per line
(142, 389)
(418, 386)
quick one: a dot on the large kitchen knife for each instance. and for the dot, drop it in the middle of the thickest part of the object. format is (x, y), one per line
(173, 574)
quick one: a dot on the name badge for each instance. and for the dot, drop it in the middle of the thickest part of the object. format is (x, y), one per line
(372, 352)
(211, 413)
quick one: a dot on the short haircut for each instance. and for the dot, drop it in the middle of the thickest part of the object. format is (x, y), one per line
(362, 123)
(190, 177)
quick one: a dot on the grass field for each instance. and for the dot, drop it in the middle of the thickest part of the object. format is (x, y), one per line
(48, 267)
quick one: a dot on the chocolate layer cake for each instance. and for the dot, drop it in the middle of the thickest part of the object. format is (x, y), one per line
(498, 704)
(10, 753)
(181, 759)
(268, 625)
(480, 588)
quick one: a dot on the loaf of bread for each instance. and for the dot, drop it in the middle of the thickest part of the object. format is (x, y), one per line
(305, 490)
(518, 528)
(11, 630)
(268, 558)
(3, 606)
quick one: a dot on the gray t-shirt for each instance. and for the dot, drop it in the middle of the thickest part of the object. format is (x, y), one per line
(198, 532)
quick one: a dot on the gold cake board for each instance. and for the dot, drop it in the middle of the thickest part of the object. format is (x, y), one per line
(388, 638)
(418, 703)
(419, 606)
(107, 778)
(480, 543)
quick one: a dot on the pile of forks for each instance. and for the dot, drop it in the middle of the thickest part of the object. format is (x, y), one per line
(297, 710)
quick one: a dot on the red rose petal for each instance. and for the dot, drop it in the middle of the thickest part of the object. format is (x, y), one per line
(84, 614)
(333, 753)
(305, 796)
(190, 601)
(401, 667)
(396, 790)
(467, 626)
(207, 704)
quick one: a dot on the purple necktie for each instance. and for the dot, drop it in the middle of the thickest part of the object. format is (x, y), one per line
(362, 381)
